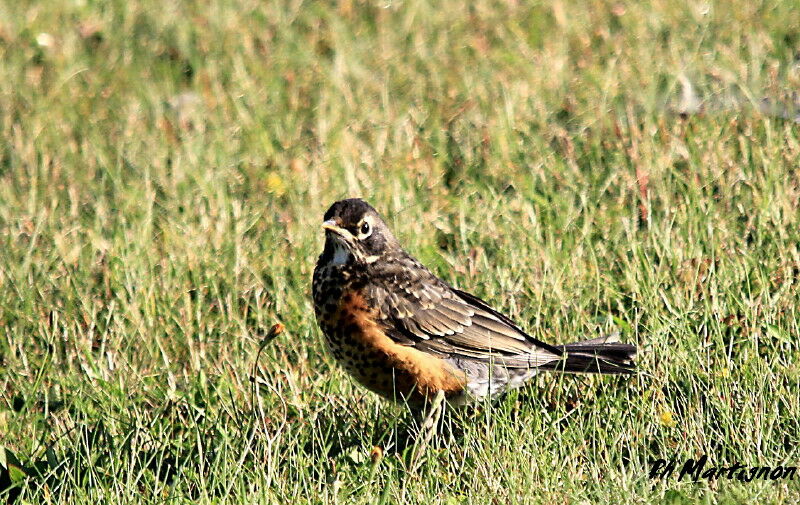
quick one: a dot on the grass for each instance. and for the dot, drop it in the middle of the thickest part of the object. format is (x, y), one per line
(164, 169)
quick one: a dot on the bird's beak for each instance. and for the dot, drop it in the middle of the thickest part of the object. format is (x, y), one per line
(333, 225)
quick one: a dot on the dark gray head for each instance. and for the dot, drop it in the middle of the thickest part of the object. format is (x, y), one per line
(354, 231)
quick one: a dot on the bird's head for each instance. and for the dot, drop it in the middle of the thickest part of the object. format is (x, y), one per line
(354, 231)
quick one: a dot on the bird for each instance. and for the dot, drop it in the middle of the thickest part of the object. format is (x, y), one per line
(407, 335)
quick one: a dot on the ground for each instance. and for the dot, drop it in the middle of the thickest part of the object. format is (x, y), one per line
(586, 166)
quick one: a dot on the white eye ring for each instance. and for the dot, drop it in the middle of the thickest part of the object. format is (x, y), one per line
(365, 230)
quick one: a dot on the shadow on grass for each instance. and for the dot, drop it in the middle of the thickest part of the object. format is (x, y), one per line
(191, 448)
(152, 449)
(188, 448)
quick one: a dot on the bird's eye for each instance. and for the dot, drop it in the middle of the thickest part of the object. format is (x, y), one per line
(364, 229)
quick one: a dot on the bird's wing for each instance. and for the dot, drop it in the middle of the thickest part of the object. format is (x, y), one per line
(419, 309)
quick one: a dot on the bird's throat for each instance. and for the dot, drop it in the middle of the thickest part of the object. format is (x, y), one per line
(341, 254)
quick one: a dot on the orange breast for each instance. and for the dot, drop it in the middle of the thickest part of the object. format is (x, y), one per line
(390, 369)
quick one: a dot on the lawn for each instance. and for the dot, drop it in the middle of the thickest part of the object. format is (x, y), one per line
(586, 166)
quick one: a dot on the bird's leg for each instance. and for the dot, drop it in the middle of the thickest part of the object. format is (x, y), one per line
(427, 429)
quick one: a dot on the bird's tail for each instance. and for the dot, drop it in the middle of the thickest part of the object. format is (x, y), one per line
(605, 355)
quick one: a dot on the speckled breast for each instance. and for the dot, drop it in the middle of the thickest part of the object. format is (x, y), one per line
(332, 287)
(359, 343)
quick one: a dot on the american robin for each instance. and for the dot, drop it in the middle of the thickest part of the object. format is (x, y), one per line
(406, 334)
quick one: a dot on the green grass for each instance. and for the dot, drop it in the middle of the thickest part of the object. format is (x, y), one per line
(164, 170)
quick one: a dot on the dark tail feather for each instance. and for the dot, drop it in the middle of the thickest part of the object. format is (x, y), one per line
(605, 355)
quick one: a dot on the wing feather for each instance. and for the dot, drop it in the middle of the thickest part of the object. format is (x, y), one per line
(423, 311)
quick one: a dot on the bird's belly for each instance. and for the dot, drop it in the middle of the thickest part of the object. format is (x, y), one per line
(397, 372)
